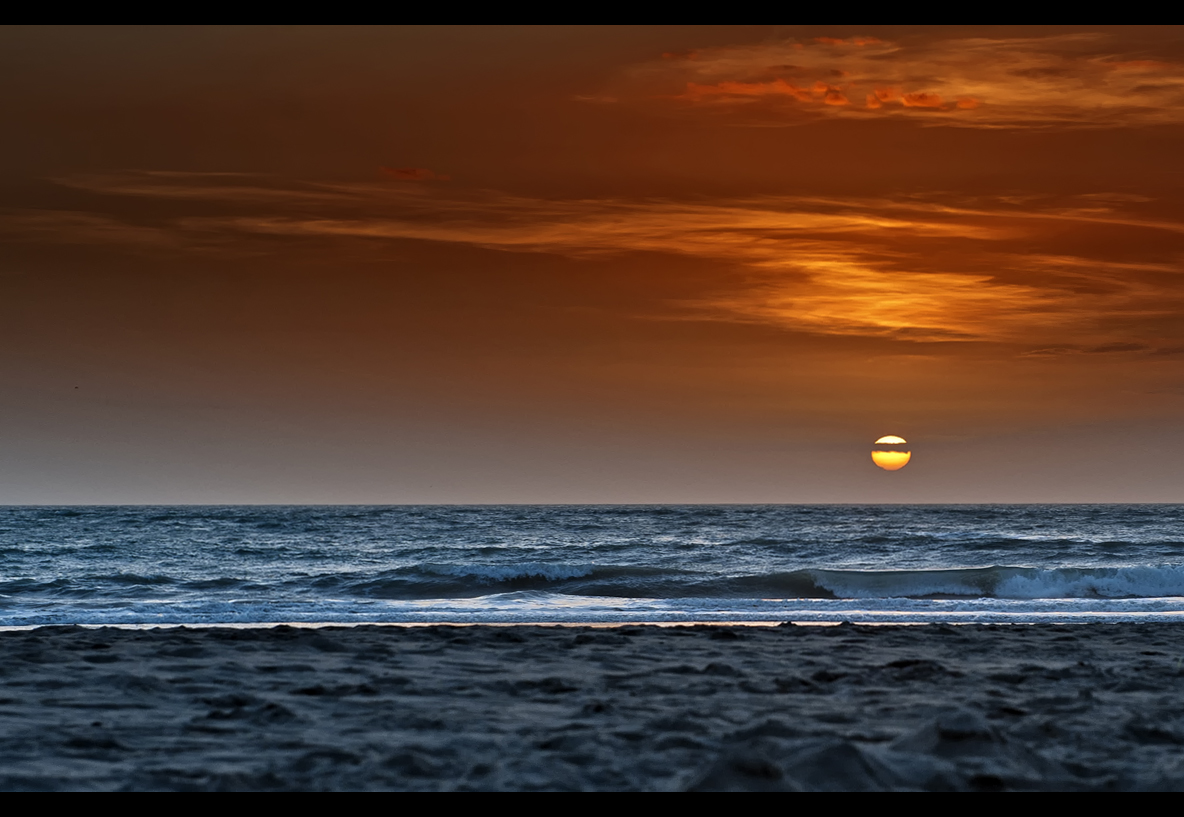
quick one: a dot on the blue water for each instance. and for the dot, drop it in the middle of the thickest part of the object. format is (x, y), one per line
(236, 564)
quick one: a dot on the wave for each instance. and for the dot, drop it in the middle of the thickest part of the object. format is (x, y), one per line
(622, 581)
(464, 581)
(1008, 582)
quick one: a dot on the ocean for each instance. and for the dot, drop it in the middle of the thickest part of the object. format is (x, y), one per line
(206, 565)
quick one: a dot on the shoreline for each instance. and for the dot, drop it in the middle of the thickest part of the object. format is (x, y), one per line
(712, 706)
(876, 618)
(315, 625)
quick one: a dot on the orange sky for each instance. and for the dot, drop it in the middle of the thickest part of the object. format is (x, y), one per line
(670, 264)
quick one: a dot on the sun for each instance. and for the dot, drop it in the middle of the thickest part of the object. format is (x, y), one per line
(891, 453)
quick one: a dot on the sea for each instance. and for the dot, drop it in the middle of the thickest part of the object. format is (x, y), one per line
(253, 565)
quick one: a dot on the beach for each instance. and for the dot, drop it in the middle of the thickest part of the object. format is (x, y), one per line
(638, 707)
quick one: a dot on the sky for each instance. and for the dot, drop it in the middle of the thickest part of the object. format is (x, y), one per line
(591, 264)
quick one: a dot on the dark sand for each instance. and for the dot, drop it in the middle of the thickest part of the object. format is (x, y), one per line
(1089, 706)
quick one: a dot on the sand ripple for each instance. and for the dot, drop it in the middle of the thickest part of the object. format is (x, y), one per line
(1065, 707)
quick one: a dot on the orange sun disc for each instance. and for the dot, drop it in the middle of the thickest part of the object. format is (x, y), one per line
(891, 453)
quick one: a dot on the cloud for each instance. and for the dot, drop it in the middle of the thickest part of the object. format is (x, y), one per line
(1074, 80)
(412, 174)
(73, 227)
(1029, 271)
(777, 87)
(860, 41)
(922, 100)
(241, 188)
(1117, 347)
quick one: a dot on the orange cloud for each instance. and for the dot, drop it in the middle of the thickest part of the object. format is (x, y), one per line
(851, 41)
(777, 87)
(1071, 80)
(866, 267)
(921, 100)
(72, 227)
(818, 92)
(412, 174)
(1140, 65)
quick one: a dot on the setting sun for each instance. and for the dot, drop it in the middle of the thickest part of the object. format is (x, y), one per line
(890, 453)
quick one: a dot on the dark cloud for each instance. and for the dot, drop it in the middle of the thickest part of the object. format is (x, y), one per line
(412, 174)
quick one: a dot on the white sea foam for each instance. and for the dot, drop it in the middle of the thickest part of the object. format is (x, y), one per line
(1007, 582)
(557, 608)
(1117, 582)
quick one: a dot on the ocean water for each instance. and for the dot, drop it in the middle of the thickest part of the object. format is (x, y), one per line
(590, 563)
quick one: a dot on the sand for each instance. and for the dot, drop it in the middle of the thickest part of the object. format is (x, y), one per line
(789, 708)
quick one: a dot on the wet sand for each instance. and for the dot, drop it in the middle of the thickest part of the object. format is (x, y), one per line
(1070, 707)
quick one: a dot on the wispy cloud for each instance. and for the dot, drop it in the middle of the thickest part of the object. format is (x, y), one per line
(916, 268)
(73, 227)
(1078, 80)
(235, 188)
